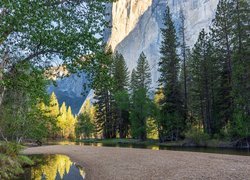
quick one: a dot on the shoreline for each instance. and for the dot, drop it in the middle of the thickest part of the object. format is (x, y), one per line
(126, 163)
(211, 143)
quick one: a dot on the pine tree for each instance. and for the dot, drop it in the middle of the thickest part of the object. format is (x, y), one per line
(71, 122)
(88, 108)
(203, 71)
(85, 122)
(140, 107)
(54, 112)
(53, 105)
(121, 79)
(240, 68)
(62, 121)
(121, 74)
(103, 85)
(172, 122)
(142, 73)
(184, 48)
(133, 81)
(84, 126)
(222, 38)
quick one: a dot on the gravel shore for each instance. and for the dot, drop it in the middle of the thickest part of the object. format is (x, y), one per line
(109, 163)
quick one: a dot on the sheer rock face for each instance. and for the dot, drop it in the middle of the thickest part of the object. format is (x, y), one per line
(126, 15)
(136, 26)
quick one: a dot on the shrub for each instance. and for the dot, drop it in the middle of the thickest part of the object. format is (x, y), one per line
(10, 149)
(11, 163)
(197, 136)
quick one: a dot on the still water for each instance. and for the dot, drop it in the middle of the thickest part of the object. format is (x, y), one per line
(53, 167)
(232, 151)
(243, 152)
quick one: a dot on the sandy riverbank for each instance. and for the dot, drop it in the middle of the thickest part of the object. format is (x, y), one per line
(107, 163)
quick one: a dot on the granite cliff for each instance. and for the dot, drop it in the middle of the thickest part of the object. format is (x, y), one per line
(136, 26)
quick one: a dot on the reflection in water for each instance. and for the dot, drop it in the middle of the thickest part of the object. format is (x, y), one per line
(244, 152)
(155, 148)
(53, 167)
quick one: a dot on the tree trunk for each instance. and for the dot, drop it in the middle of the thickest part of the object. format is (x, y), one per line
(2, 88)
(207, 101)
(3, 63)
(2, 135)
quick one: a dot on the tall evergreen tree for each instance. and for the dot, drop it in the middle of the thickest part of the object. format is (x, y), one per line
(54, 105)
(240, 68)
(203, 71)
(184, 48)
(54, 112)
(103, 84)
(121, 74)
(133, 81)
(140, 85)
(85, 126)
(172, 122)
(222, 38)
(142, 73)
(70, 123)
(121, 80)
(62, 120)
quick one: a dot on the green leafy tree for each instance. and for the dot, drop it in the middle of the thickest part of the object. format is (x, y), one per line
(32, 35)
(20, 115)
(43, 30)
(156, 110)
(84, 127)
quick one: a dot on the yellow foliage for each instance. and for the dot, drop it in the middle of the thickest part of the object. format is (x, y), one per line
(63, 116)
(152, 131)
(54, 164)
(158, 96)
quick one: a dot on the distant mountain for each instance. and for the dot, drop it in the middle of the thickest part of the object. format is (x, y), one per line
(71, 90)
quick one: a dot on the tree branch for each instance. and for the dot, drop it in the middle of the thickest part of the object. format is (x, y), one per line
(36, 54)
(4, 138)
(62, 1)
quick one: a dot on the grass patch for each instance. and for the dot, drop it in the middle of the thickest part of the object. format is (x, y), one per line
(11, 162)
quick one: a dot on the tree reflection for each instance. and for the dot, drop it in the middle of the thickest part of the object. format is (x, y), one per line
(55, 167)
